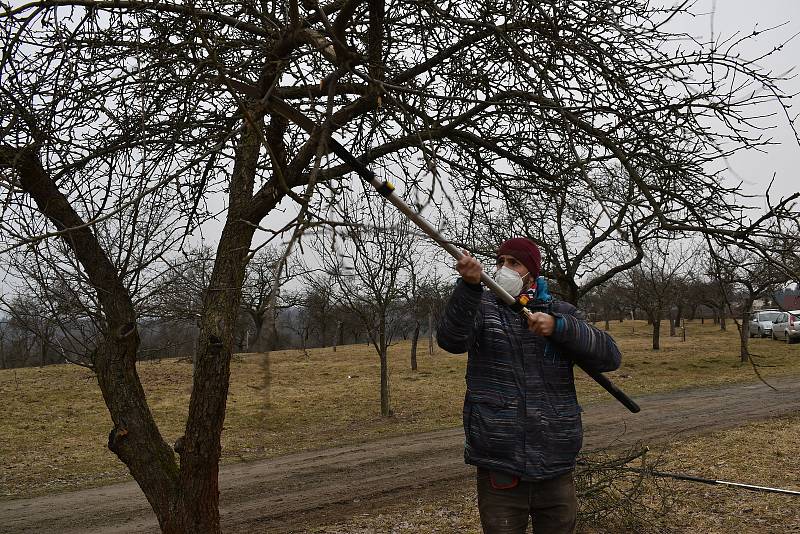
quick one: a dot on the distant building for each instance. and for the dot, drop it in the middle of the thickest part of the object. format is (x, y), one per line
(788, 299)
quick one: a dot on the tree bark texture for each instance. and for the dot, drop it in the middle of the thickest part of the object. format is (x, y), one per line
(135, 438)
(744, 333)
(414, 340)
(656, 332)
(198, 502)
(430, 333)
(386, 405)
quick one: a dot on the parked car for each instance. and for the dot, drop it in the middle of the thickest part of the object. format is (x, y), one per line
(787, 326)
(761, 322)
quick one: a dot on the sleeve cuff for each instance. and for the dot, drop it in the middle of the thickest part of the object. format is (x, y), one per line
(474, 287)
(560, 324)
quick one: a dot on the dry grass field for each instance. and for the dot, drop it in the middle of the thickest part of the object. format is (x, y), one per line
(54, 425)
(754, 453)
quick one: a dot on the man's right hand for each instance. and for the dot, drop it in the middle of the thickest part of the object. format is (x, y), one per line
(469, 268)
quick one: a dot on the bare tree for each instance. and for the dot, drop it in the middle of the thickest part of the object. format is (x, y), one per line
(56, 299)
(20, 344)
(300, 321)
(589, 229)
(32, 316)
(608, 301)
(348, 325)
(140, 113)
(717, 291)
(320, 300)
(681, 298)
(755, 277)
(3, 335)
(425, 299)
(370, 266)
(258, 300)
(651, 284)
(177, 299)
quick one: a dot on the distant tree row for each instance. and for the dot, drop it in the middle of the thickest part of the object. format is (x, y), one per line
(319, 309)
(367, 289)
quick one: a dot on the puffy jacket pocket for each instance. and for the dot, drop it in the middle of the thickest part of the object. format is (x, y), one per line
(556, 370)
(559, 385)
(491, 426)
(563, 435)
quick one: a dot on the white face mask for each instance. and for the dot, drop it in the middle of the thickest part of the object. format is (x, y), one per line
(509, 279)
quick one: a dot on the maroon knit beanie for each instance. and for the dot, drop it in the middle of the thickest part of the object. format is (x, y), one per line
(525, 251)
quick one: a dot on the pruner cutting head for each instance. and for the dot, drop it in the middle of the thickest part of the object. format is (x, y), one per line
(386, 189)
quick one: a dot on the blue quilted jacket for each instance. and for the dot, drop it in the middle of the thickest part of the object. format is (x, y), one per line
(521, 414)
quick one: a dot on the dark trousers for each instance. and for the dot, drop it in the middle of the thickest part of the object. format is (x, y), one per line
(551, 504)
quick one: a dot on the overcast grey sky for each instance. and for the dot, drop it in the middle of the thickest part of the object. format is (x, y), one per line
(724, 18)
(729, 16)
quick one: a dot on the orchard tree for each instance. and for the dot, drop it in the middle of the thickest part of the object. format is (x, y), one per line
(717, 290)
(755, 278)
(31, 315)
(320, 299)
(52, 299)
(607, 301)
(18, 345)
(267, 272)
(126, 124)
(424, 301)
(652, 284)
(370, 266)
(589, 230)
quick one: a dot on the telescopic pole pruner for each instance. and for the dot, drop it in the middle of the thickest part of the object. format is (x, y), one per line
(386, 189)
(712, 482)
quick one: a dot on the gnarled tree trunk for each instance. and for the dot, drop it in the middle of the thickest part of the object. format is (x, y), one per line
(414, 340)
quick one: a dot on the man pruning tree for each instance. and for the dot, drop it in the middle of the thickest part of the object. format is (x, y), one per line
(521, 415)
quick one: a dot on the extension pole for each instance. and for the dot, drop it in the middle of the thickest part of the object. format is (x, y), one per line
(386, 189)
(712, 482)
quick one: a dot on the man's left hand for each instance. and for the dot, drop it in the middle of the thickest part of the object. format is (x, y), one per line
(542, 324)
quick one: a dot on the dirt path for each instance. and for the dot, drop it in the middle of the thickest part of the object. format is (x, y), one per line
(290, 493)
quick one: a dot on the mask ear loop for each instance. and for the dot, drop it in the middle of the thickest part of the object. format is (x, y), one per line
(531, 285)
